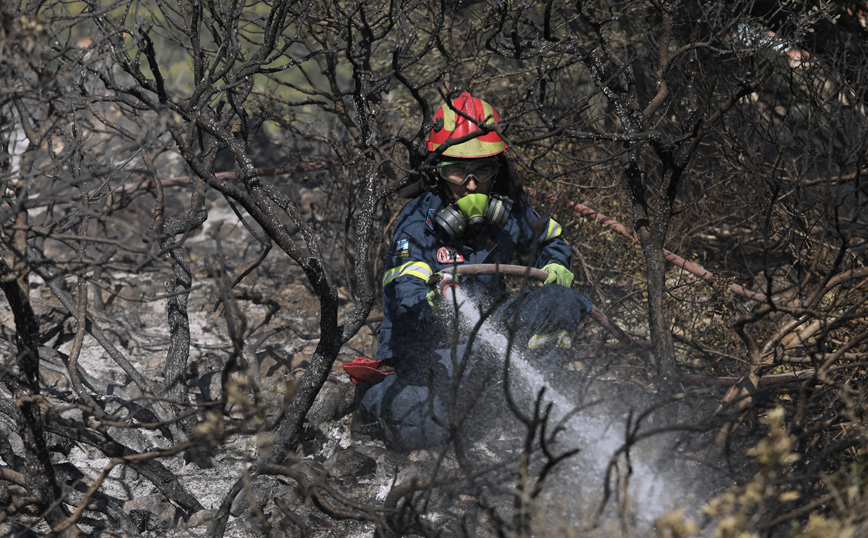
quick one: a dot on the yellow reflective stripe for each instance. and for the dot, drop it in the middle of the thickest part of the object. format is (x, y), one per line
(563, 339)
(554, 230)
(489, 112)
(473, 148)
(448, 118)
(417, 269)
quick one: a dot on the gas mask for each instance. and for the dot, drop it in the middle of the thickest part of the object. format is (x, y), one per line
(470, 213)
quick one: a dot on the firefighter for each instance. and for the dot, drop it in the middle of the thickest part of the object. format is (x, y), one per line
(474, 212)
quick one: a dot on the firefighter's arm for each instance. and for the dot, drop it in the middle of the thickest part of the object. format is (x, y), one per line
(552, 252)
(405, 288)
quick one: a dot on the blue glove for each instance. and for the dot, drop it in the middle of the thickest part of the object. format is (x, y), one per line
(558, 274)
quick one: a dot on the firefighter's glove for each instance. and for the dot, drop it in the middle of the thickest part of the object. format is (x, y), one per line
(441, 285)
(558, 274)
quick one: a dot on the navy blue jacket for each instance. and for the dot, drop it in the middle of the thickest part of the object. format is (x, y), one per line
(417, 253)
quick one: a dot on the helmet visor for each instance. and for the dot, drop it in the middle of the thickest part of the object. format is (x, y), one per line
(458, 172)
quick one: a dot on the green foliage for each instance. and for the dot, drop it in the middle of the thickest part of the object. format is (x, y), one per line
(739, 512)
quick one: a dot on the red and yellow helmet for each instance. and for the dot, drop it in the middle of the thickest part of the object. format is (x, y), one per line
(455, 126)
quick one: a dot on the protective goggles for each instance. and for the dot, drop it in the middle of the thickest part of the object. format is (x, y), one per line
(458, 172)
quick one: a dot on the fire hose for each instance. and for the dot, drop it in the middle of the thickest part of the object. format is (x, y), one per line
(371, 371)
(368, 370)
(531, 273)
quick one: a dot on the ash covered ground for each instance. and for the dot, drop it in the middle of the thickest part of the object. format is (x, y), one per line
(352, 479)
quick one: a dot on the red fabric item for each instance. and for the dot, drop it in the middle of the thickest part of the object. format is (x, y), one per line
(365, 370)
(448, 283)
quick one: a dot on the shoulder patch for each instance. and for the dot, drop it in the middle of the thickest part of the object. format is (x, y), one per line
(449, 255)
(402, 248)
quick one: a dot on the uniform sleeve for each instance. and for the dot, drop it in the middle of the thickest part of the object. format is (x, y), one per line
(542, 242)
(407, 317)
(405, 288)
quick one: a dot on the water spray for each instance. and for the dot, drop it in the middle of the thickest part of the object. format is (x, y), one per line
(595, 430)
(540, 275)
